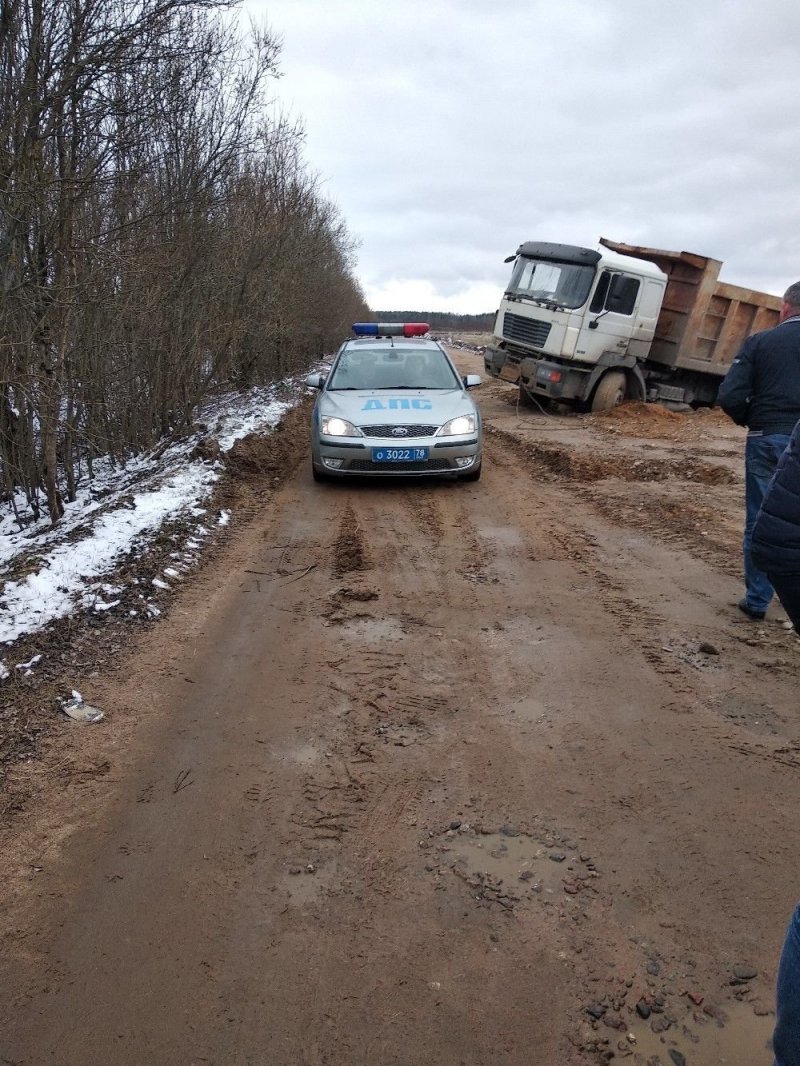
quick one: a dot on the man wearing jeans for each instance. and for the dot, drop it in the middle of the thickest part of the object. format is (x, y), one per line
(762, 391)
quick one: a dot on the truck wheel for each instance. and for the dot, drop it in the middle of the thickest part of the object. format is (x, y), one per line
(610, 391)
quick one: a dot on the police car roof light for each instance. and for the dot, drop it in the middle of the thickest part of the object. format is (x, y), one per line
(390, 329)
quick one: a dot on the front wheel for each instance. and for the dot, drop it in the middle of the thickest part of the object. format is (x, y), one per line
(317, 474)
(610, 391)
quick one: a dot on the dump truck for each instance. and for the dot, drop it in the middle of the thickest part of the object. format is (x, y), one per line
(592, 327)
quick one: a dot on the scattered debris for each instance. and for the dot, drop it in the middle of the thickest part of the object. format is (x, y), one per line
(80, 711)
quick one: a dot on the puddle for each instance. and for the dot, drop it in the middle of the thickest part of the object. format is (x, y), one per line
(301, 753)
(372, 630)
(509, 866)
(505, 535)
(737, 1037)
(530, 709)
(306, 882)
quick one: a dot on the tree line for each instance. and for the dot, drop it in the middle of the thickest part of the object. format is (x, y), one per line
(160, 233)
(440, 320)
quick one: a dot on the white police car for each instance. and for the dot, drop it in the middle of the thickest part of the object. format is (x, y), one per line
(394, 403)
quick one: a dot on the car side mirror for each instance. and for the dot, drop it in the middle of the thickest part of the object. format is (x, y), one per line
(471, 380)
(315, 381)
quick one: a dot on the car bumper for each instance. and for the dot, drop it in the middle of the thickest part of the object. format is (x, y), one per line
(445, 458)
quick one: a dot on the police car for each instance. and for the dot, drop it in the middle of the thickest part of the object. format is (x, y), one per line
(394, 404)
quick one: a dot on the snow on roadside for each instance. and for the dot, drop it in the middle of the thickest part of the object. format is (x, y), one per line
(119, 509)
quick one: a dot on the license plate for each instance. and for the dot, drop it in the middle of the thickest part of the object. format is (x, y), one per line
(399, 455)
(510, 372)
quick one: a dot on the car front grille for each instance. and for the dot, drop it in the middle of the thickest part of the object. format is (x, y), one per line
(365, 466)
(389, 431)
(531, 331)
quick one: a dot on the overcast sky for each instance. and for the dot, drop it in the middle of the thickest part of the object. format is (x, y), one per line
(449, 131)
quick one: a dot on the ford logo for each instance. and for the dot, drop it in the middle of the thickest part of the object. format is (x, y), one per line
(400, 431)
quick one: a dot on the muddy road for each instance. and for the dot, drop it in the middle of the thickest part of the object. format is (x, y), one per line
(431, 773)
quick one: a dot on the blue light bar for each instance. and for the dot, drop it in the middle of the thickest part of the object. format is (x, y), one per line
(365, 329)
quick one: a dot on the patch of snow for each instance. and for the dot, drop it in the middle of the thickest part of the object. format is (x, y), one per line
(159, 584)
(120, 508)
(30, 663)
(4, 671)
(99, 606)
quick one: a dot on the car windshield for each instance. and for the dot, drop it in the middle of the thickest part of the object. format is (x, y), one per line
(565, 284)
(393, 368)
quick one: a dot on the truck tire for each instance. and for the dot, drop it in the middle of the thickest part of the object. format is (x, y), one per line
(610, 391)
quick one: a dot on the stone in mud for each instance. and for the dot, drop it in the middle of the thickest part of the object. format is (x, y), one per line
(660, 1024)
(642, 1009)
(677, 1057)
(708, 649)
(596, 1010)
(509, 831)
(614, 1021)
(455, 824)
(557, 856)
(743, 972)
(653, 967)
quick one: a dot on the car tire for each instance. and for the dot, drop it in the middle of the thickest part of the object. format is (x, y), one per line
(318, 475)
(473, 475)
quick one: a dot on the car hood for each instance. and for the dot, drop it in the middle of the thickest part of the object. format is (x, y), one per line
(410, 407)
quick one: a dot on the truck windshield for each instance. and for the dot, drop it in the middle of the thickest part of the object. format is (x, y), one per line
(565, 284)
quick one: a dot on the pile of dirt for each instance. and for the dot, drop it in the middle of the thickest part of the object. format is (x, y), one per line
(257, 458)
(556, 462)
(652, 421)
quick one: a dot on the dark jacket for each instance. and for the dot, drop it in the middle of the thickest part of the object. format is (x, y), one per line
(762, 388)
(776, 534)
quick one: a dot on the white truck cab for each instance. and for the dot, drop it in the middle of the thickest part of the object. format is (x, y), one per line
(570, 315)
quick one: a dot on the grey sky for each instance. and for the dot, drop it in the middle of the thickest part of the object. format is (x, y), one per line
(449, 131)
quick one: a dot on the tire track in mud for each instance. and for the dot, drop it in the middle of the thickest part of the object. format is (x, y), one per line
(383, 707)
(676, 522)
(574, 542)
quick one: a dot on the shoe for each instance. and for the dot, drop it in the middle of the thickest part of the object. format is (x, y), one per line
(756, 616)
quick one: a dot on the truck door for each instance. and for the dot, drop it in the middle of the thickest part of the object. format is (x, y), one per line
(610, 323)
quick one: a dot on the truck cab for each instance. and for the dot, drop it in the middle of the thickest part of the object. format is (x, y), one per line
(571, 315)
(593, 327)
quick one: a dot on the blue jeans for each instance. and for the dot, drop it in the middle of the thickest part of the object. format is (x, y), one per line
(786, 1039)
(760, 461)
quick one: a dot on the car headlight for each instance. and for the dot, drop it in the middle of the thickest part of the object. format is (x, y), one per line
(338, 427)
(459, 426)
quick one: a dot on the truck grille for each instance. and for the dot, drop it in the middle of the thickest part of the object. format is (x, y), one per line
(388, 431)
(532, 331)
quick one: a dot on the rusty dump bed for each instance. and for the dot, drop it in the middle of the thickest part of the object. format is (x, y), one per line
(703, 320)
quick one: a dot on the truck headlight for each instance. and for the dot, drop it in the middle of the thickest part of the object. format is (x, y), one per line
(457, 427)
(338, 427)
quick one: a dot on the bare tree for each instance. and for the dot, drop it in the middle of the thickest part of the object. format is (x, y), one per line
(159, 233)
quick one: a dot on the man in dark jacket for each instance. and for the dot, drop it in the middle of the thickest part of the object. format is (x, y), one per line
(762, 391)
(775, 543)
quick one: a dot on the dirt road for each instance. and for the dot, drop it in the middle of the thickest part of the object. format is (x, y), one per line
(431, 773)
